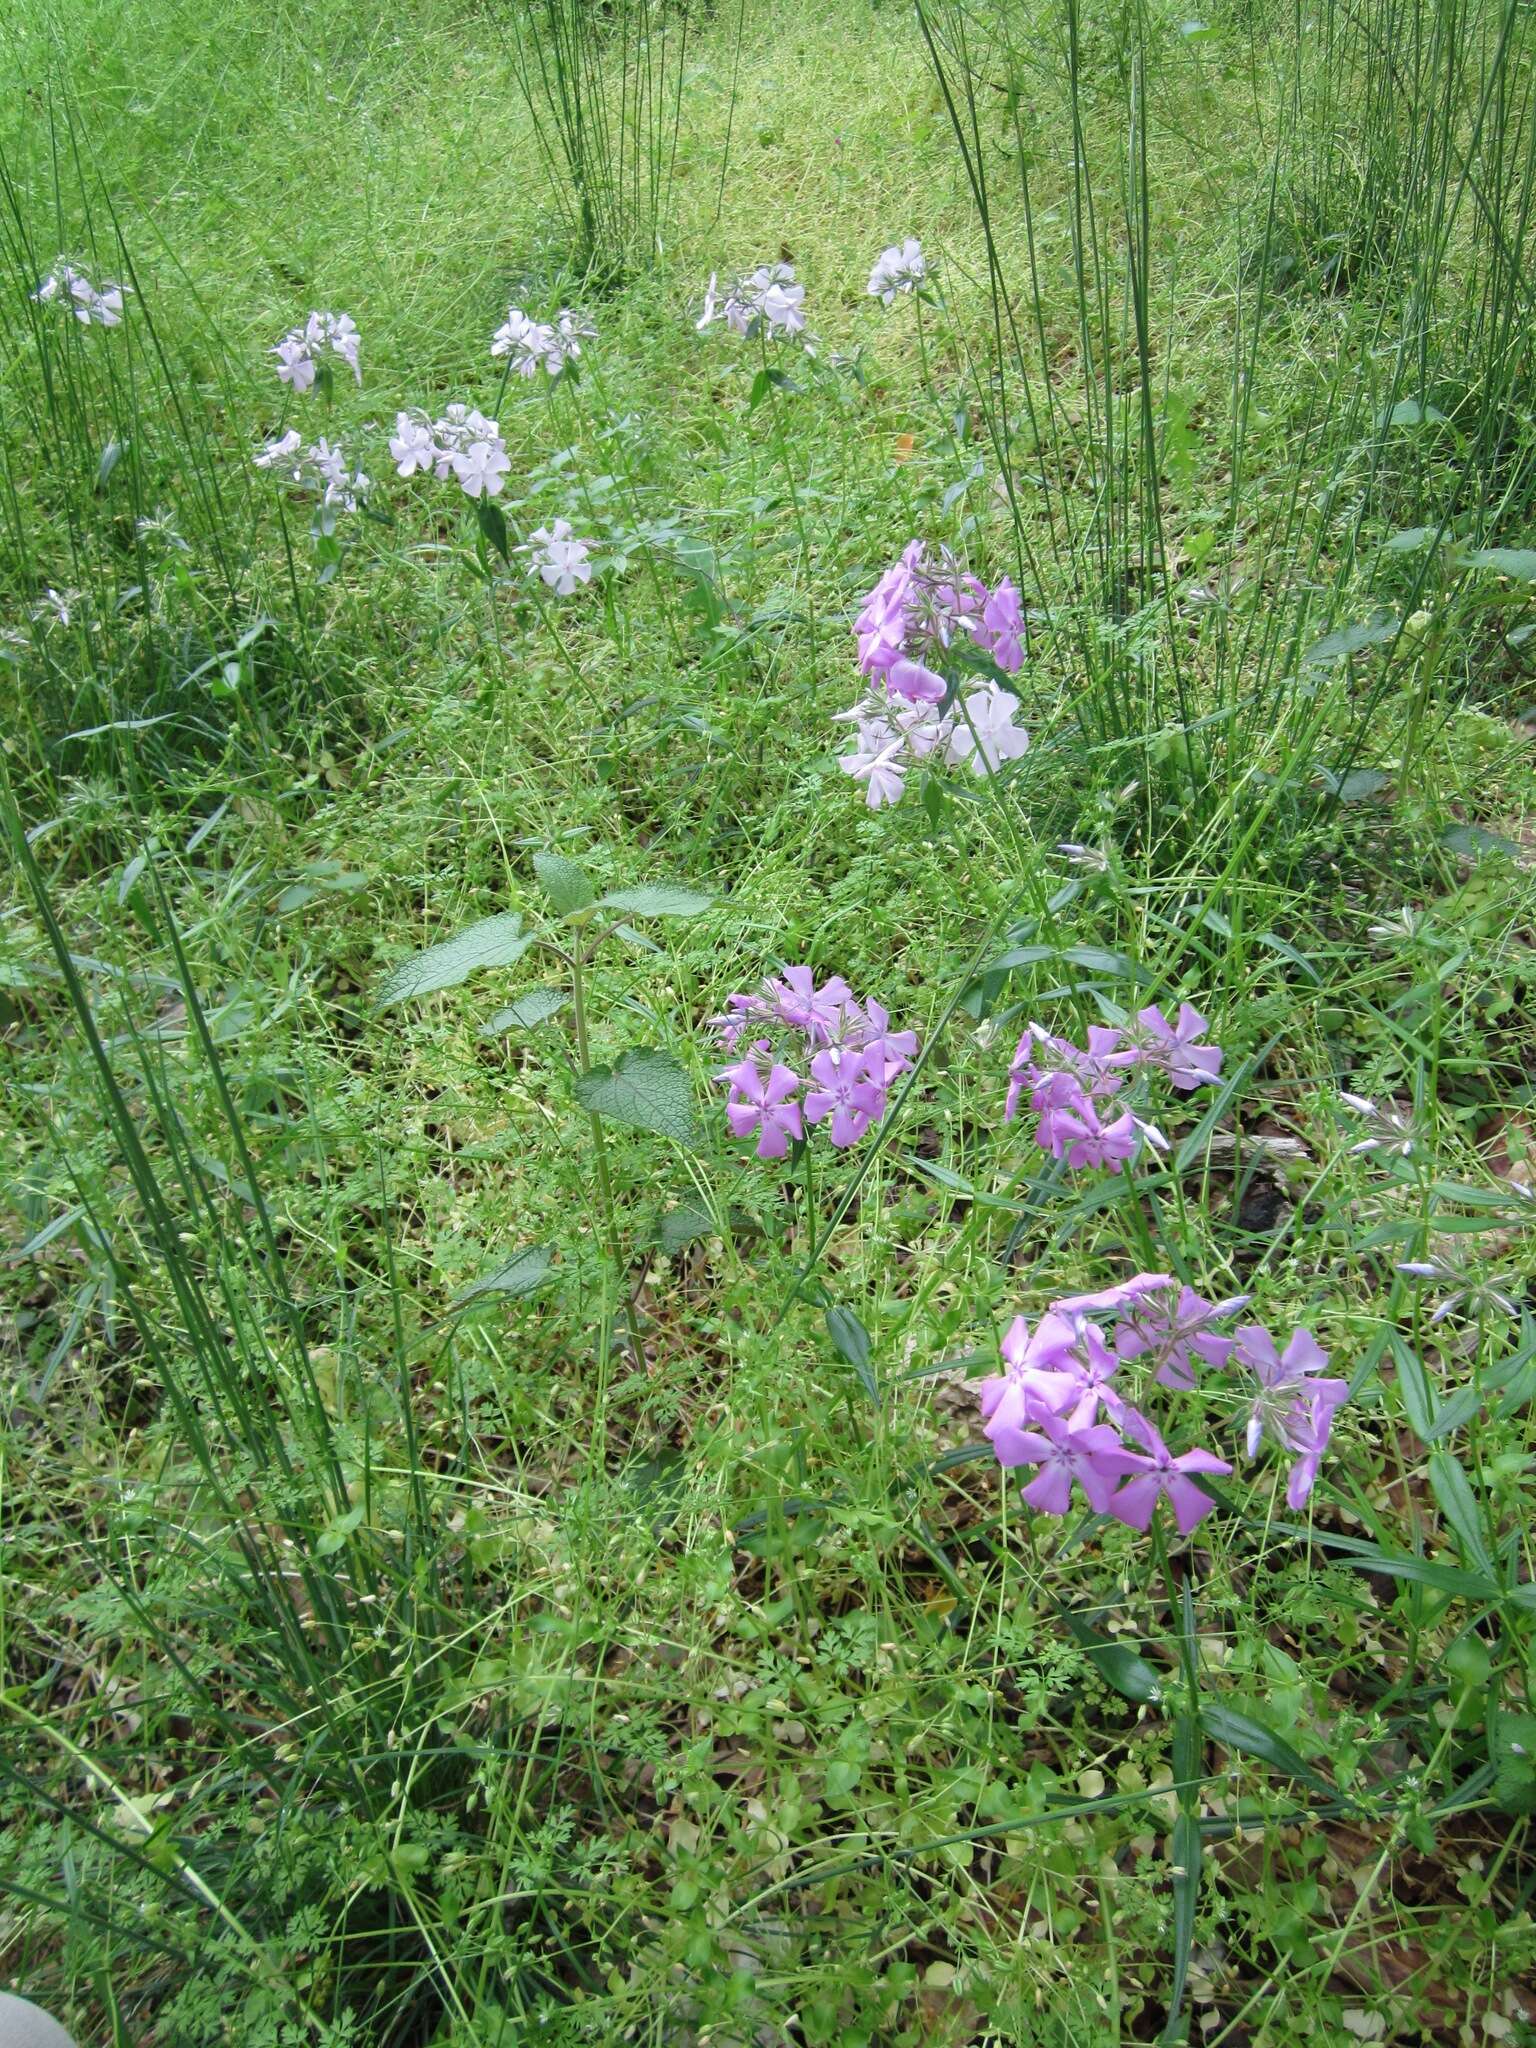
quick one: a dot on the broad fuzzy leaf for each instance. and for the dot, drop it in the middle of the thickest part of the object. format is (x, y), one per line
(564, 883)
(493, 942)
(529, 1011)
(646, 1089)
(660, 899)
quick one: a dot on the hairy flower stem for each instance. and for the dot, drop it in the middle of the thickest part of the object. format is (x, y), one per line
(600, 1155)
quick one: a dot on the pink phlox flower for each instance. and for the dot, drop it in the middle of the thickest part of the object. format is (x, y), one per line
(1280, 1376)
(913, 681)
(847, 1091)
(799, 1003)
(741, 1013)
(1111, 1300)
(1156, 1474)
(1063, 1452)
(1040, 1378)
(1305, 1428)
(1172, 1047)
(762, 1092)
(1001, 630)
(1092, 1366)
(1176, 1334)
(892, 1051)
(1074, 1131)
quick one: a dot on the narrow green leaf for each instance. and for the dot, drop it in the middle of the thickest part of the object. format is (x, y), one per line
(1116, 1663)
(1458, 1504)
(647, 1090)
(494, 942)
(1240, 1732)
(851, 1340)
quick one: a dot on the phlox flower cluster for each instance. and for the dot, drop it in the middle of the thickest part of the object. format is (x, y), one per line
(322, 469)
(912, 630)
(1072, 1088)
(902, 268)
(767, 301)
(558, 558)
(535, 345)
(463, 444)
(92, 305)
(301, 352)
(847, 1048)
(1062, 1405)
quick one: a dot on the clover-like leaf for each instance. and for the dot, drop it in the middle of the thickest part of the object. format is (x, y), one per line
(646, 1089)
(494, 942)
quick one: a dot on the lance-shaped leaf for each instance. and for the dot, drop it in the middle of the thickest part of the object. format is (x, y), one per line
(646, 1089)
(493, 942)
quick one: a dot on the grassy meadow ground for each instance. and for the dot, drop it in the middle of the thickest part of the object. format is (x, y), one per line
(647, 1647)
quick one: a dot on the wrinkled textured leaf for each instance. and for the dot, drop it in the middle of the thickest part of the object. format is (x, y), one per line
(646, 1089)
(660, 899)
(683, 1226)
(564, 883)
(530, 1010)
(521, 1275)
(1517, 562)
(1347, 640)
(494, 942)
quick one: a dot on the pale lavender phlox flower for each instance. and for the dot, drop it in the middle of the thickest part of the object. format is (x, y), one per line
(1389, 1130)
(1476, 1292)
(72, 290)
(413, 444)
(983, 731)
(1176, 1334)
(559, 558)
(1156, 1474)
(767, 300)
(1304, 1428)
(301, 350)
(900, 268)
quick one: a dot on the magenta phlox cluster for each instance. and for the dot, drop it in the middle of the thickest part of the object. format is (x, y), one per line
(1074, 1090)
(1064, 1408)
(808, 1055)
(923, 609)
